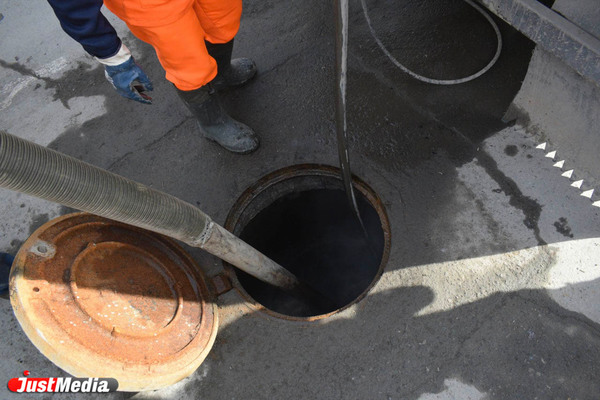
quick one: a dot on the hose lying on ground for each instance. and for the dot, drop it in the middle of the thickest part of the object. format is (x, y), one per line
(439, 81)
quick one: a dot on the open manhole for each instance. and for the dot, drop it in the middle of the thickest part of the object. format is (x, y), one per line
(301, 218)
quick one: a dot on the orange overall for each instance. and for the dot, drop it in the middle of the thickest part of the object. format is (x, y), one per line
(177, 30)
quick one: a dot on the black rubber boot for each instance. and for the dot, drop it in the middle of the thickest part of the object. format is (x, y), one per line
(215, 124)
(230, 73)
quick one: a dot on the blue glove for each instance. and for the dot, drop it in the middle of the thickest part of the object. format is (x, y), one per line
(129, 80)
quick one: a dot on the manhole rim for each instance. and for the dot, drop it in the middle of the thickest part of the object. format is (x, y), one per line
(277, 177)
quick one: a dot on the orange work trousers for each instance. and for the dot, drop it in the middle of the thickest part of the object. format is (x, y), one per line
(180, 44)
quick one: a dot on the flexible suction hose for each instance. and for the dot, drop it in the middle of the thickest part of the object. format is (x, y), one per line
(29, 168)
(38, 171)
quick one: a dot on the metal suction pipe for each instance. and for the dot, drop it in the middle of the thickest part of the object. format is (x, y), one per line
(41, 172)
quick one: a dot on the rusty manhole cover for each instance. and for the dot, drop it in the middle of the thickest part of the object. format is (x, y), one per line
(104, 299)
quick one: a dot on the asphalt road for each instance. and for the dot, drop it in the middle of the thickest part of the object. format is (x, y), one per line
(492, 288)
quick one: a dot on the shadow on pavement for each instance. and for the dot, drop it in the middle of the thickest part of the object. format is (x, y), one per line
(413, 143)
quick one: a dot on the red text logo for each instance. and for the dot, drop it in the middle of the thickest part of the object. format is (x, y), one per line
(62, 385)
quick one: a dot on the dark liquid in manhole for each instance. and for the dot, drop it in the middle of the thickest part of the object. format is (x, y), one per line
(316, 235)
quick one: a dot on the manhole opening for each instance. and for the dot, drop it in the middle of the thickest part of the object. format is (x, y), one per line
(302, 220)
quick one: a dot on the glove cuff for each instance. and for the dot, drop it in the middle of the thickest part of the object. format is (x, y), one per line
(122, 55)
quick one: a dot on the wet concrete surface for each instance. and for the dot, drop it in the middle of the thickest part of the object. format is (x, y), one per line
(492, 285)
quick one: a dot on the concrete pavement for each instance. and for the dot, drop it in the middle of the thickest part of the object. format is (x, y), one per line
(492, 289)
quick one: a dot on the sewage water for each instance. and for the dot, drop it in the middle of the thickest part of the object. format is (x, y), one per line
(316, 236)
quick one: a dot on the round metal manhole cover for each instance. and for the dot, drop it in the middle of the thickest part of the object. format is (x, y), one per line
(104, 299)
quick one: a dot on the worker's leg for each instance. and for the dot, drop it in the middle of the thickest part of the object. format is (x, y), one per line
(220, 20)
(181, 50)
